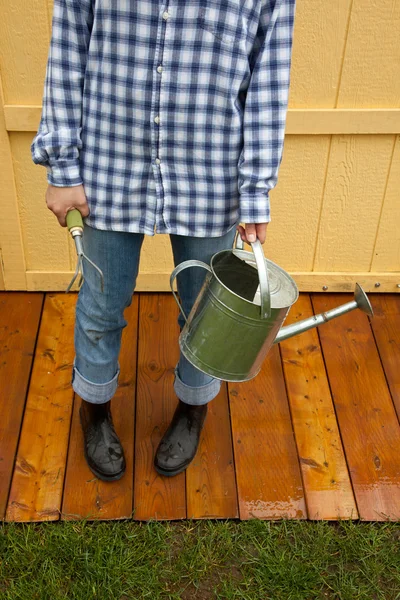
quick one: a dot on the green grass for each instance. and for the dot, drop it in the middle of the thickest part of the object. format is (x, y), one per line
(121, 560)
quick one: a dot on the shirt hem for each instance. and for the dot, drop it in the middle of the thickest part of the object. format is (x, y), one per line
(135, 228)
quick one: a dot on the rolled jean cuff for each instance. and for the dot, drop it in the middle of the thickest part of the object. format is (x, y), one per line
(97, 393)
(196, 395)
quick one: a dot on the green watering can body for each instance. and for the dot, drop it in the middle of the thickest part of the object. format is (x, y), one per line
(226, 335)
(232, 325)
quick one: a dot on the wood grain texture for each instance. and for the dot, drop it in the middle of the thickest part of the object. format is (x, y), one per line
(300, 121)
(306, 281)
(46, 243)
(38, 477)
(1, 273)
(319, 45)
(210, 477)
(267, 467)
(327, 484)
(12, 251)
(85, 495)
(296, 205)
(386, 254)
(269, 435)
(365, 411)
(386, 327)
(19, 322)
(354, 188)
(370, 63)
(156, 496)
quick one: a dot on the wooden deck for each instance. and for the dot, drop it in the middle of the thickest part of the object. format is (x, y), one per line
(314, 436)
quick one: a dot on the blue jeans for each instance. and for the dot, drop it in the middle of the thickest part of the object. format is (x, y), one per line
(100, 316)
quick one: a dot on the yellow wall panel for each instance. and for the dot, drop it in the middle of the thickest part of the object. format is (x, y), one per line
(12, 251)
(24, 44)
(355, 184)
(386, 255)
(156, 256)
(371, 65)
(296, 202)
(45, 241)
(318, 47)
(336, 207)
(1, 273)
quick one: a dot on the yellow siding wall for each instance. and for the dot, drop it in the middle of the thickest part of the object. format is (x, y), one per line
(336, 207)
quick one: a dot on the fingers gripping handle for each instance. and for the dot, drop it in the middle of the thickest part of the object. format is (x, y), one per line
(265, 309)
(181, 267)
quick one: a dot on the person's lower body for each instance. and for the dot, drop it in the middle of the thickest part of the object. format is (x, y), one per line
(98, 331)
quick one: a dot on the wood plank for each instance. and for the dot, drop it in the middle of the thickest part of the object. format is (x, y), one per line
(156, 496)
(349, 217)
(386, 327)
(46, 244)
(12, 249)
(327, 484)
(289, 200)
(267, 467)
(319, 44)
(37, 482)
(85, 495)
(374, 80)
(366, 415)
(300, 121)
(386, 254)
(2, 286)
(19, 323)
(306, 281)
(210, 477)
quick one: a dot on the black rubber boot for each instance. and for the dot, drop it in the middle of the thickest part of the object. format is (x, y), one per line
(103, 451)
(179, 444)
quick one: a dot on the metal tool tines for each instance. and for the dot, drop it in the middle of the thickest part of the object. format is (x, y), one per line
(75, 226)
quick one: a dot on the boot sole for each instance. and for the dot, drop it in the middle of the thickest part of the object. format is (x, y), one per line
(93, 470)
(171, 473)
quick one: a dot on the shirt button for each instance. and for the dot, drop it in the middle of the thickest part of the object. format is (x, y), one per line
(158, 161)
(165, 15)
(159, 69)
(157, 119)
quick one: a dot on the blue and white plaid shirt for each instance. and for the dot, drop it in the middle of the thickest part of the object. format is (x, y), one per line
(171, 114)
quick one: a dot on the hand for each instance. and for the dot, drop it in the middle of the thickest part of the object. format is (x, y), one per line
(253, 230)
(62, 199)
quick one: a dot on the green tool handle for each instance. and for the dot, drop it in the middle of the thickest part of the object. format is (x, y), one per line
(74, 219)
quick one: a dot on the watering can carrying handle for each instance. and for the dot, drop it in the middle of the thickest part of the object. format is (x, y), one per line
(181, 267)
(265, 309)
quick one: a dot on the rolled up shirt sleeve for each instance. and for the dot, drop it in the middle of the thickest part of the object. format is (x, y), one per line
(265, 110)
(57, 143)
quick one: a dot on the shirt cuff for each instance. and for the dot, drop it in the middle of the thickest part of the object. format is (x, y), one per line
(254, 209)
(64, 175)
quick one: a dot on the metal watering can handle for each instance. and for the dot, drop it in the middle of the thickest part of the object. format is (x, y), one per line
(181, 267)
(265, 309)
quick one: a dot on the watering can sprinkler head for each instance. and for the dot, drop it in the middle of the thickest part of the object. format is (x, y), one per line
(360, 301)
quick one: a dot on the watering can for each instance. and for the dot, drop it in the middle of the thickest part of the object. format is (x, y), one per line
(239, 311)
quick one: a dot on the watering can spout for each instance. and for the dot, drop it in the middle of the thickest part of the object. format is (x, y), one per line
(360, 301)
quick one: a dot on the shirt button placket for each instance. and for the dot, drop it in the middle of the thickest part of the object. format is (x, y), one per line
(157, 160)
